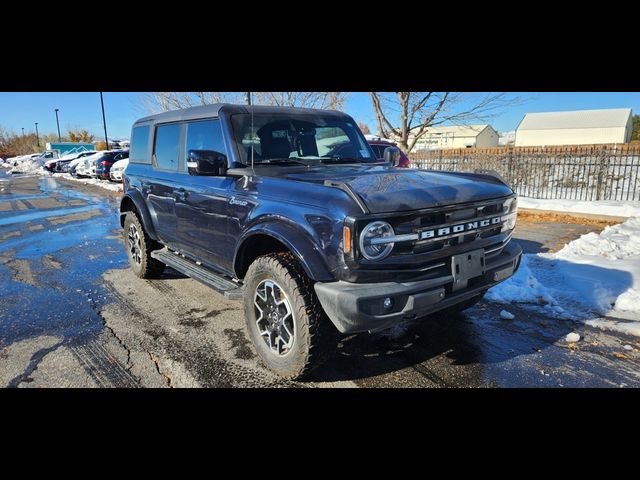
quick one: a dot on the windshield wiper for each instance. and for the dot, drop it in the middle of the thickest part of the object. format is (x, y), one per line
(281, 161)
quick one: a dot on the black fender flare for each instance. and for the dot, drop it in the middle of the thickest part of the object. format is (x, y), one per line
(134, 198)
(297, 242)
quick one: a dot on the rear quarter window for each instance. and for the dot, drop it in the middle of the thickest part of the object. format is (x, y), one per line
(139, 150)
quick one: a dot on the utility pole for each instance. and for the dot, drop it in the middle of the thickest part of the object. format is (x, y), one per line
(37, 135)
(104, 121)
(58, 124)
(22, 132)
(247, 97)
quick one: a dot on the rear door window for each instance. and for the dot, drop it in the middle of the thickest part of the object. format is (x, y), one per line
(167, 146)
(140, 144)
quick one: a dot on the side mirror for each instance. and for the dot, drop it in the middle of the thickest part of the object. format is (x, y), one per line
(392, 155)
(206, 163)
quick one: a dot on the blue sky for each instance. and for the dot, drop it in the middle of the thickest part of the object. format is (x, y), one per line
(82, 110)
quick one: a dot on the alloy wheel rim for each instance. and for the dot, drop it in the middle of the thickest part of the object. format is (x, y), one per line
(134, 244)
(274, 317)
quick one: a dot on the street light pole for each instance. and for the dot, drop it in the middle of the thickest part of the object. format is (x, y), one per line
(247, 97)
(22, 132)
(37, 135)
(58, 124)
(104, 121)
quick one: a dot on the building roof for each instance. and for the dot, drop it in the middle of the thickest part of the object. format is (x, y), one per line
(457, 130)
(607, 118)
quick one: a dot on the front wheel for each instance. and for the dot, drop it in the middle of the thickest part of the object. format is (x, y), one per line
(283, 315)
(139, 247)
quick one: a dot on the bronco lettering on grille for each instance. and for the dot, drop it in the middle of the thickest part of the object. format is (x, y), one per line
(459, 228)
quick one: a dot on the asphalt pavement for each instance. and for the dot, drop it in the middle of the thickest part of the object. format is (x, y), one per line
(73, 315)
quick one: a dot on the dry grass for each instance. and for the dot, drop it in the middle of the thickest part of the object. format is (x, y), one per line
(563, 218)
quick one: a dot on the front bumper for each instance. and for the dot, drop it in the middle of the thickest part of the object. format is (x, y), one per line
(357, 307)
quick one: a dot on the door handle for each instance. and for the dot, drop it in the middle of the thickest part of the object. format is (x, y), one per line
(181, 194)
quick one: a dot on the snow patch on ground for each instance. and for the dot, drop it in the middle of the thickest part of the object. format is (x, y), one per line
(106, 184)
(598, 207)
(572, 337)
(507, 315)
(595, 275)
(628, 327)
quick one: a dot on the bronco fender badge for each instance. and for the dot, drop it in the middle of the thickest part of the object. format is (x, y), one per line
(235, 201)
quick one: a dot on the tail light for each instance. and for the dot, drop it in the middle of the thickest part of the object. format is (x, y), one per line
(104, 164)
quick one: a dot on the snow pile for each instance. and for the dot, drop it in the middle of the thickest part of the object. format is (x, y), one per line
(26, 164)
(595, 274)
(598, 207)
(106, 184)
(523, 287)
(614, 257)
(616, 242)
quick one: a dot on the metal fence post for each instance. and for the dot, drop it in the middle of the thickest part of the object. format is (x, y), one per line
(602, 172)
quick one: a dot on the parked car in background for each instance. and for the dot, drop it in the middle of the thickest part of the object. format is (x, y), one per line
(83, 168)
(104, 163)
(57, 165)
(379, 145)
(117, 169)
(72, 165)
(66, 166)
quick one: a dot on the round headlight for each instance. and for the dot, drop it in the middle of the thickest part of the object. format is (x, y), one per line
(372, 240)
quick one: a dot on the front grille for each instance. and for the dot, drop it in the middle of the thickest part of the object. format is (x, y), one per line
(428, 243)
(418, 223)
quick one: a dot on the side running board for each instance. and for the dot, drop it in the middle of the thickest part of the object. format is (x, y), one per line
(229, 289)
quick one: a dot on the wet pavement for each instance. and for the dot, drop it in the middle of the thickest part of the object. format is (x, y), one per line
(72, 314)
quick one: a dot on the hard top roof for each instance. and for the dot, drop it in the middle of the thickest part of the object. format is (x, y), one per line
(208, 111)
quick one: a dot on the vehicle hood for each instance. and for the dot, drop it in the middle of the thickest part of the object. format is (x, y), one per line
(385, 189)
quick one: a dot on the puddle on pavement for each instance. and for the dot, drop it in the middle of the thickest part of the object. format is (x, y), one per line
(50, 285)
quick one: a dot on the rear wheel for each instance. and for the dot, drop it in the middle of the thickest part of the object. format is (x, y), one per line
(139, 247)
(284, 318)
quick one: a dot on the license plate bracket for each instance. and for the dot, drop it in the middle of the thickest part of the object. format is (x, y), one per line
(466, 266)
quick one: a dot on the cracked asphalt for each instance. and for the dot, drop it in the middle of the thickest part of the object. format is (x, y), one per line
(73, 315)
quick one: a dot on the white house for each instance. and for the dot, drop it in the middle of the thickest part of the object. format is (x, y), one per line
(578, 127)
(458, 136)
(507, 138)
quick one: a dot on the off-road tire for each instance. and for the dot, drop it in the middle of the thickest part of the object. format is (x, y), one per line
(148, 267)
(312, 328)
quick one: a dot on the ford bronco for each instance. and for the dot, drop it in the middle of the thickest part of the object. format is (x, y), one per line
(290, 211)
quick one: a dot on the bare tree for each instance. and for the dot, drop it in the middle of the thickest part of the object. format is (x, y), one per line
(155, 102)
(364, 128)
(405, 117)
(324, 100)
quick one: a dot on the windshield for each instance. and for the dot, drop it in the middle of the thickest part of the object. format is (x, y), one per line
(299, 139)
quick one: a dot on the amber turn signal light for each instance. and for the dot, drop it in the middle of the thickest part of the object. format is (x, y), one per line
(346, 237)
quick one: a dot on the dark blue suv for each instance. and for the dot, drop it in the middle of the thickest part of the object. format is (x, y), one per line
(256, 203)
